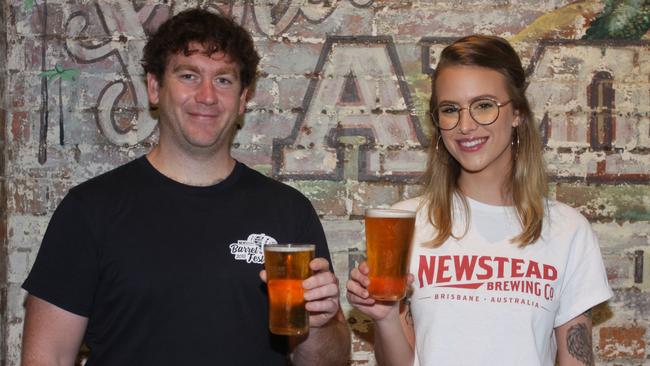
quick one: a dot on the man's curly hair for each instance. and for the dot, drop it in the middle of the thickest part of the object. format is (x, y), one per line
(214, 32)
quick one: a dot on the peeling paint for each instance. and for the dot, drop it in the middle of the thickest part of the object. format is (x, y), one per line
(343, 157)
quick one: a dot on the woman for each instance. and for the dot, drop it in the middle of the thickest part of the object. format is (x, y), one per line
(502, 275)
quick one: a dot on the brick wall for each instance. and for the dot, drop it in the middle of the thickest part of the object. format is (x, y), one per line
(340, 113)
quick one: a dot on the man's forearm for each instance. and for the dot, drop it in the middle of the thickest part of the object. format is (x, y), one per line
(325, 346)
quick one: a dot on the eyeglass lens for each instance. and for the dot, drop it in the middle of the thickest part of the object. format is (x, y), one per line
(483, 111)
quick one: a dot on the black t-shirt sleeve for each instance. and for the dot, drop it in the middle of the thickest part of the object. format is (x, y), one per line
(66, 268)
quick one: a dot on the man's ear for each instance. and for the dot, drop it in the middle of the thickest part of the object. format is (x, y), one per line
(153, 89)
(243, 98)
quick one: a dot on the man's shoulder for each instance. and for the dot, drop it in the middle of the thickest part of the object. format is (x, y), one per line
(266, 185)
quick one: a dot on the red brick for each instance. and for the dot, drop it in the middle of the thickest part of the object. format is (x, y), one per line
(622, 342)
(36, 197)
(20, 127)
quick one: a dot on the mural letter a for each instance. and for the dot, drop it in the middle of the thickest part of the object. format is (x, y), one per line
(357, 91)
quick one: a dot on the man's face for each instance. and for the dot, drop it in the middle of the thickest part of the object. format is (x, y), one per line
(199, 100)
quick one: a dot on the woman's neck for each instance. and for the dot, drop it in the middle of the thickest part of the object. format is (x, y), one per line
(491, 189)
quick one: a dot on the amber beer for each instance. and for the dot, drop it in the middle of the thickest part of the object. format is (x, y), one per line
(287, 265)
(388, 241)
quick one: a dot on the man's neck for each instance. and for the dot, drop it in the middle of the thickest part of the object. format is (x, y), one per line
(192, 170)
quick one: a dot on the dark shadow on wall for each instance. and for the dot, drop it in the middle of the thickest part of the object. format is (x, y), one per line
(3, 191)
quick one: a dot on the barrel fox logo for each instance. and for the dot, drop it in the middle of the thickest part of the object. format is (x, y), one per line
(251, 249)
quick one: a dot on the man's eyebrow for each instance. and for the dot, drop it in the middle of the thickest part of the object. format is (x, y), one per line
(228, 69)
(185, 67)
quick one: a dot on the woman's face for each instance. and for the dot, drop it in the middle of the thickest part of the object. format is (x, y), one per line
(484, 150)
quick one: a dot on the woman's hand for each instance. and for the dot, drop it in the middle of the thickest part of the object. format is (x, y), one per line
(359, 297)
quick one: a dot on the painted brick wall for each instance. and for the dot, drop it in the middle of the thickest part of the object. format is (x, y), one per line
(340, 113)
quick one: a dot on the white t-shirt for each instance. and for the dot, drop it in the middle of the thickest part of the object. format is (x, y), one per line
(482, 300)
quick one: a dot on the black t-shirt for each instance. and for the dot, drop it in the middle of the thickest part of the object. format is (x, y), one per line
(168, 274)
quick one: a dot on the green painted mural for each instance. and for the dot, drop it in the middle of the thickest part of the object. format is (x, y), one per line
(60, 74)
(621, 19)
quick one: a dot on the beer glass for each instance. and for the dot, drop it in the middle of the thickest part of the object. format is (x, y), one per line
(287, 265)
(388, 241)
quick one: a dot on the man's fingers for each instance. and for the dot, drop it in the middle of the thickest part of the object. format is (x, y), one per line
(320, 279)
(263, 275)
(323, 292)
(319, 264)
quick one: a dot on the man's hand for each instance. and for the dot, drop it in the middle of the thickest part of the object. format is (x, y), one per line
(328, 340)
(321, 292)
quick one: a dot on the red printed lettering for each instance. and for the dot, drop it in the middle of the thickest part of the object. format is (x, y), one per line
(426, 268)
(501, 261)
(516, 267)
(442, 268)
(464, 267)
(533, 270)
(550, 273)
(482, 262)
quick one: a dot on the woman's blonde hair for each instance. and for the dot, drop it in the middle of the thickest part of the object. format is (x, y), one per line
(527, 184)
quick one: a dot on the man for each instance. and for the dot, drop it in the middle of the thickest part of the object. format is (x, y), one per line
(158, 261)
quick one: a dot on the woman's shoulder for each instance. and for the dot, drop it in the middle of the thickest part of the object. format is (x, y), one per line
(560, 210)
(561, 216)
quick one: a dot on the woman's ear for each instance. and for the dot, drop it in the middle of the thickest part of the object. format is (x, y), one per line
(517, 119)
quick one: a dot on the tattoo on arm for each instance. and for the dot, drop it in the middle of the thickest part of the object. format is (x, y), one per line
(579, 344)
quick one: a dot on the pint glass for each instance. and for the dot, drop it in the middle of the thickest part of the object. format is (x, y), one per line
(287, 265)
(388, 241)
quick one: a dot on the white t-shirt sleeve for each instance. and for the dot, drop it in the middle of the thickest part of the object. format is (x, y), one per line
(585, 282)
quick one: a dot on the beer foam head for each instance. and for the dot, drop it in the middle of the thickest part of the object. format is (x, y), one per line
(290, 247)
(389, 213)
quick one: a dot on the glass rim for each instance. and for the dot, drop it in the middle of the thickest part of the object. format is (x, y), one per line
(290, 247)
(389, 213)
